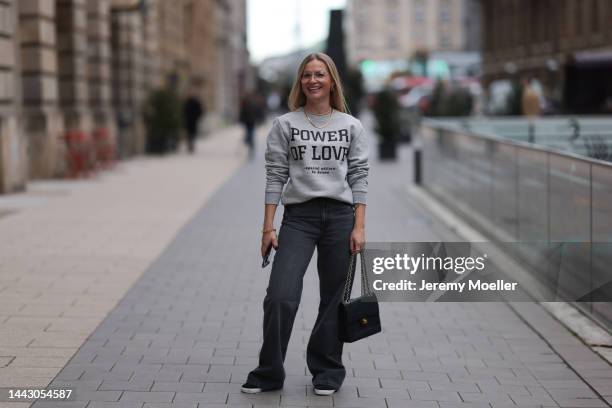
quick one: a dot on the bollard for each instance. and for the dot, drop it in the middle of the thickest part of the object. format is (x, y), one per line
(417, 167)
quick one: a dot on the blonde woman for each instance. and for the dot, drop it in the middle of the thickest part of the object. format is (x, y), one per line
(319, 154)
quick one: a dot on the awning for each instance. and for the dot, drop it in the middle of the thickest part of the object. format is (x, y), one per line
(592, 59)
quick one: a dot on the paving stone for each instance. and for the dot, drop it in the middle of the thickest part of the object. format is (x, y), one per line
(424, 376)
(310, 401)
(494, 387)
(552, 384)
(150, 396)
(178, 386)
(464, 405)
(560, 393)
(402, 403)
(448, 396)
(269, 398)
(104, 396)
(162, 375)
(534, 400)
(172, 405)
(451, 386)
(109, 385)
(234, 388)
(188, 331)
(501, 398)
(340, 401)
(6, 360)
(120, 404)
(383, 392)
(374, 373)
(581, 402)
(408, 384)
(57, 404)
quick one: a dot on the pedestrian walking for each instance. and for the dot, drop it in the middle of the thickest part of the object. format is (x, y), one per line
(530, 100)
(193, 111)
(321, 153)
(249, 115)
(531, 108)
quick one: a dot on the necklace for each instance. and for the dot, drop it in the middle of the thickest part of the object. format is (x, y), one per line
(322, 126)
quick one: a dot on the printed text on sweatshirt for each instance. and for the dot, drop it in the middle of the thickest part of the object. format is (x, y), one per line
(329, 161)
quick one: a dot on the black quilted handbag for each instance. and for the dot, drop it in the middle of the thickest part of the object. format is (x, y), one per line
(358, 317)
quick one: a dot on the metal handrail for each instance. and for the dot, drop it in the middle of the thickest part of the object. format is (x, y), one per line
(490, 136)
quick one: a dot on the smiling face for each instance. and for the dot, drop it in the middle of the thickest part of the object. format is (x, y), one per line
(316, 81)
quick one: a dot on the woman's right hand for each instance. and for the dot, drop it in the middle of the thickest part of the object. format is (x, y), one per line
(268, 239)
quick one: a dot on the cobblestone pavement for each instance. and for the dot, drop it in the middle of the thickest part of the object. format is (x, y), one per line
(189, 330)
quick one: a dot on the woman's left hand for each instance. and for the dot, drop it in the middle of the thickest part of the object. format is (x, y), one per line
(357, 240)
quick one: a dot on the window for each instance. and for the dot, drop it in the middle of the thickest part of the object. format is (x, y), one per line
(391, 16)
(595, 11)
(419, 11)
(578, 17)
(445, 11)
(361, 29)
(445, 40)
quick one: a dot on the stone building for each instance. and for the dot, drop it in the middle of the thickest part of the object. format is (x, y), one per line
(42, 118)
(171, 22)
(244, 78)
(396, 29)
(13, 170)
(231, 56)
(85, 67)
(201, 47)
(99, 64)
(566, 44)
(128, 73)
(72, 48)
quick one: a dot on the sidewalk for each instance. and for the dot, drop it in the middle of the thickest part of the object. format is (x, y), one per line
(189, 328)
(69, 250)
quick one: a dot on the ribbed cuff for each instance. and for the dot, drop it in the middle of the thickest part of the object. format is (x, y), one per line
(359, 197)
(272, 197)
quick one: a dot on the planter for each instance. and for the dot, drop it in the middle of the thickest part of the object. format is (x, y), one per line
(80, 153)
(163, 119)
(387, 150)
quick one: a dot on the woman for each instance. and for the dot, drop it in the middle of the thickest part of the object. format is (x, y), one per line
(322, 152)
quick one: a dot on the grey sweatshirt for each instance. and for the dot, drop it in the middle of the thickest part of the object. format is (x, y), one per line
(329, 162)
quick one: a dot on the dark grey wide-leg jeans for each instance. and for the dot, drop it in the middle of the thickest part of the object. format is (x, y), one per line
(325, 224)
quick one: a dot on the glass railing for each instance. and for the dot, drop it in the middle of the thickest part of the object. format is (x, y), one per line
(516, 191)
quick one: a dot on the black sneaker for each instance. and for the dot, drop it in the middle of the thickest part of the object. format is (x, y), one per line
(249, 388)
(324, 390)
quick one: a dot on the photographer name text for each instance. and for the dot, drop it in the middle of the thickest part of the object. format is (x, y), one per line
(477, 285)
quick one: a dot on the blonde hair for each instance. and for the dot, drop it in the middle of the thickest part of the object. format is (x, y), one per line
(297, 99)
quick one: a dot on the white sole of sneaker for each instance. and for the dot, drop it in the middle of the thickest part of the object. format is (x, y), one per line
(324, 392)
(250, 390)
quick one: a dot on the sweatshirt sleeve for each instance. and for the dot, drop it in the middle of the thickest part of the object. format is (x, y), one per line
(277, 163)
(358, 166)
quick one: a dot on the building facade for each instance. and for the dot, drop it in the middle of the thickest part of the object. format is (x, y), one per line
(42, 119)
(565, 44)
(12, 144)
(396, 29)
(82, 69)
(201, 46)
